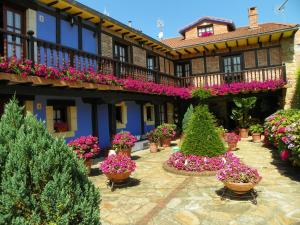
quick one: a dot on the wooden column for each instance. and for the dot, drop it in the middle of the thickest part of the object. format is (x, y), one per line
(112, 120)
(95, 121)
(156, 114)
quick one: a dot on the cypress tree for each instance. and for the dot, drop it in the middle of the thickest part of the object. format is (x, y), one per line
(202, 138)
(42, 181)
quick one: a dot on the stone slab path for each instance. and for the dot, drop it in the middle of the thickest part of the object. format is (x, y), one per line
(157, 197)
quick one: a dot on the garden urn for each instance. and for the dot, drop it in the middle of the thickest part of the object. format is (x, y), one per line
(244, 133)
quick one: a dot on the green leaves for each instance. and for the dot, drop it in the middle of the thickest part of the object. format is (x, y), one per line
(241, 113)
(187, 117)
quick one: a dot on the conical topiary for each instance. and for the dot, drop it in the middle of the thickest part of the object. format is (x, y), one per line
(201, 136)
(42, 181)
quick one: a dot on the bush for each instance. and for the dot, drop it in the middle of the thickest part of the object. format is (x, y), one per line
(201, 94)
(42, 181)
(256, 129)
(201, 136)
(282, 130)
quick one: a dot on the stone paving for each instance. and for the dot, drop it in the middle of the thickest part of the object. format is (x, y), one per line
(157, 197)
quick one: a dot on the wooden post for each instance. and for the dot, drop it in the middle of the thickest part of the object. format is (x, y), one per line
(30, 47)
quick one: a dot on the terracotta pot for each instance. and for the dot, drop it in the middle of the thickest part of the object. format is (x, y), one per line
(166, 142)
(153, 147)
(239, 188)
(231, 146)
(126, 152)
(118, 177)
(244, 133)
(256, 137)
(88, 164)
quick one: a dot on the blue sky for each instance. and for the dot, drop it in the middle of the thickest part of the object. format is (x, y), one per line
(178, 13)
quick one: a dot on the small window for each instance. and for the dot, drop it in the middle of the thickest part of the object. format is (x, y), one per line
(119, 114)
(183, 69)
(205, 31)
(60, 119)
(149, 114)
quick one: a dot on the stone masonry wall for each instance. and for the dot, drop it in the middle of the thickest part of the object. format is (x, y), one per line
(139, 56)
(106, 45)
(288, 57)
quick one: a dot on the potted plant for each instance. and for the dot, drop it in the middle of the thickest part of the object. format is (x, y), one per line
(85, 147)
(241, 113)
(256, 131)
(166, 133)
(117, 168)
(123, 142)
(221, 131)
(153, 137)
(238, 177)
(232, 139)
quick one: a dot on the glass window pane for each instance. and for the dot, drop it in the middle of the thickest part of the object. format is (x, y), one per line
(18, 52)
(17, 20)
(10, 18)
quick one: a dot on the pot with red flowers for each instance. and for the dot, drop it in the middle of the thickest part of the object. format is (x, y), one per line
(123, 142)
(85, 147)
(232, 139)
(153, 137)
(117, 168)
(166, 133)
(238, 177)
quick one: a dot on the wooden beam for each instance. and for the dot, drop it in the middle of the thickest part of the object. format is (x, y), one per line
(258, 40)
(89, 18)
(237, 43)
(117, 30)
(159, 48)
(132, 36)
(125, 33)
(270, 38)
(52, 3)
(77, 14)
(247, 41)
(138, 39)
(197, 50)
(110, 26)
(226, 44)
(178, 53)
(216, 47)
(66, 9)
(280, 37)
(150, 44)
(205, 48)
(187, 51)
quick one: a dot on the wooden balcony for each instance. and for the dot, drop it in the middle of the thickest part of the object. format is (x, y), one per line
(55, 55)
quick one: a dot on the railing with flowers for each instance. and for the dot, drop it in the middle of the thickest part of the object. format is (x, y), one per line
(58, 56)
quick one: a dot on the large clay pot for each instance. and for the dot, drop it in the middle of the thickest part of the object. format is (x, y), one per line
(239, 188)
(244, 133)
(126, 152)
(232, 146)
(88, 164)
(256, 137)
(118, 177)
(153, 147)
(166, 142)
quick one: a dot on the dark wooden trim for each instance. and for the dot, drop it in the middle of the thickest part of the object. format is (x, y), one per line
(66, 9)
(76, 14)
(205, 48)
(268, 57)
(52, 3)
(112, 120)
(256, 58)
(95, 121)
(197, 50)
(204, 61)
(280, 37)
(216, 47)
(156, 115)
(99, 38)
(79, 33)
(59, 102)
(110, 26)
(57, 24)
(142, 118)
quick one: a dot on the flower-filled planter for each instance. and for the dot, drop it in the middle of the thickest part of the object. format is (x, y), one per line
(117, 168)
(123, 142)
(85, 147)
(153, 137)
(238, 177)
(256, 131)
(232, 139)
(166, 133)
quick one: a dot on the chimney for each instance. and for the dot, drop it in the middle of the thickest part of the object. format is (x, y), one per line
(253, 17)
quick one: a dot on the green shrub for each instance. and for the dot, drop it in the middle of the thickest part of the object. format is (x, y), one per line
(256, 128)
(201, 94)
(201, 135)
(41, 180)
(187, 117)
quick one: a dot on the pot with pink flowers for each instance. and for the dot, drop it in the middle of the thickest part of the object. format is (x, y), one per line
(85, 147)
(123, 142)
(232, 139)
(239, 177)
(153, 137)
(117, 168)
(167, 133)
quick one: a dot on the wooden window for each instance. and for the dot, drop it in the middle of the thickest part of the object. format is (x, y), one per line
(151, 59)
(120, 52)
(60, 119)
(149, 114)
(232, 68)
(121, 115)
(205, 31)
(183, 69)
(162, 113)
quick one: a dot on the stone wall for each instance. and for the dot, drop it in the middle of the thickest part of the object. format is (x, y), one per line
(288, 57)
(106, 45)
(139, 56)
(212, 64)
(249, 59)
(198, 66)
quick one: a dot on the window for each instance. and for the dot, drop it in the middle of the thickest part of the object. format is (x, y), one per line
(151, 65)
(205, 31)
(121, 115)
(183, 69)
(120, 52)
(61, 118)
(162, 114)
(149, 114)
(232, 69)
(13, 23)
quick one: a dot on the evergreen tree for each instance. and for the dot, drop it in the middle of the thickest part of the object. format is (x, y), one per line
(42, 181)
(187, 117)
(201, 136)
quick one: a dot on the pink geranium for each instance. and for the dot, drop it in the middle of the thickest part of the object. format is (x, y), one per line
(85, 146)
(123, 140)
(117, 164)
(284, 155)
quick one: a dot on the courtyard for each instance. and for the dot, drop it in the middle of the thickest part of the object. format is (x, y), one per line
(158, 197)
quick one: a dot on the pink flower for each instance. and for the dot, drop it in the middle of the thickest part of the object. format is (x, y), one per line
(284, 155)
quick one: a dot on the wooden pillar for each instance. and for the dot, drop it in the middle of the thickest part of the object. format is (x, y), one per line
(142, 118)
(112, 120)
(95, 121)
(156, 113)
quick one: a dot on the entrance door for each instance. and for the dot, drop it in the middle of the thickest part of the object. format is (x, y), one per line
(13, 22)
(232, 69)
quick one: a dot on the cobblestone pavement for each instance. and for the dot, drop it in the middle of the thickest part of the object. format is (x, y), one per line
(156, 197)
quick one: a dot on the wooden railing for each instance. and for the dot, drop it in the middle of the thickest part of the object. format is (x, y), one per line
(55, 55)
(261, 74)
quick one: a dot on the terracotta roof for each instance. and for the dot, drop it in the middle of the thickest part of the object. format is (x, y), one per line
(179, 42)
(207, 18)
